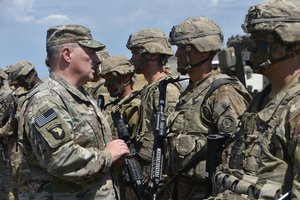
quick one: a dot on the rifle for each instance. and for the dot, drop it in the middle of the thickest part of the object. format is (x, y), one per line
(285, 196)
(215, 146)
(159, 137)
(133, 168)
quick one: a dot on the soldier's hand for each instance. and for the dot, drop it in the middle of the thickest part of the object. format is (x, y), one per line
(120, 161)
(117, 148)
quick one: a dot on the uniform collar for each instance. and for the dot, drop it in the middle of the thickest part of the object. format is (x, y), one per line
(79, 92)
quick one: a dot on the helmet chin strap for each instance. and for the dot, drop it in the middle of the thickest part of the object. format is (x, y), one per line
(188, 59)
(121, 88)
(270, 61)
(118, 92)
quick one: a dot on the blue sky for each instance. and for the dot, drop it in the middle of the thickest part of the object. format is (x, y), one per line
(23, 23)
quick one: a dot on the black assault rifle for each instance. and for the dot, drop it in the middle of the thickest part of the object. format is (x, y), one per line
(133, 168)
(159, 137)
(215, 146)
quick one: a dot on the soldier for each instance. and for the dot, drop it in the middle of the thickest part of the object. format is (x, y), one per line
(265, 158)
(96, 87)
(119, 78)
(67, 141)
(118, 73)
(6, 132)
(150, 50)
(22, 77)
(211, 104)
(5, 90)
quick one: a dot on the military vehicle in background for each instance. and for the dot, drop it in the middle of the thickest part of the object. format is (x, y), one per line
(235, 61)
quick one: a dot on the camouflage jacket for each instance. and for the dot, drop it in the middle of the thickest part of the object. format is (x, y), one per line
(6, 101)
(64, 139)
(98, 91)
(197, 115)
(148, 110)
(267, 146)
(129, 109)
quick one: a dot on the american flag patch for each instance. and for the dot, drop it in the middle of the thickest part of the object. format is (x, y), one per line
(45, 118)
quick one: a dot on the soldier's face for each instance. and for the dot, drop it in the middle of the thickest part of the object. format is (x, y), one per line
(137, 60)
(85, 62)
(112, 83)
(267, 47)
(187, 56)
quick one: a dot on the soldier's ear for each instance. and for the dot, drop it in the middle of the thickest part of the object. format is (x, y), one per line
(67, 53)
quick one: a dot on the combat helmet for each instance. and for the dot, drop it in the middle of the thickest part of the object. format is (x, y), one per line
(102, 55)
(272, 22)
(115, 67)
(201, 32)
(151, 41)
(21, 68)
(281, 17)
(119, 64)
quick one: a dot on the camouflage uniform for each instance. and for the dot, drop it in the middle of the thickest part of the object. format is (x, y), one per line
(69, 145)
(152, 41)
(264, 160)
(6, 132)
(11, 104)
(128, 107)
(148, 110)
(65, 134)
(201, 110)
(98, 91)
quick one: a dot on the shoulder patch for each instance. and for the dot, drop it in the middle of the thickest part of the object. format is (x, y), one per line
(45, 118)
(57, 131)
(227, 124)
(170, 109)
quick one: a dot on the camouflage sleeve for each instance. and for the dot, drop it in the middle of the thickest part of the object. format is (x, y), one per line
(130, 115)
(49, 129)
(223, 108)
(7, 116)
(292, 139)
(7, 128)
(173, 93)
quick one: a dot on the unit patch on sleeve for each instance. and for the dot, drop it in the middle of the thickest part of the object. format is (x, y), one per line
(227, 124)
(57, 131)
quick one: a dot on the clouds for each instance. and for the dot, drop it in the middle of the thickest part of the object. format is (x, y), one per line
(23, 11)
(24, 22)
(19, 10)
(53, 18)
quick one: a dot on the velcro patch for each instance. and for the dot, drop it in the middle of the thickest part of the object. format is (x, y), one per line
(45, 118)
(227, 124)
(57, 131)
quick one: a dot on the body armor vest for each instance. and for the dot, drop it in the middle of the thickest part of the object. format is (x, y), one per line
(260, 148)
(187, 130)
